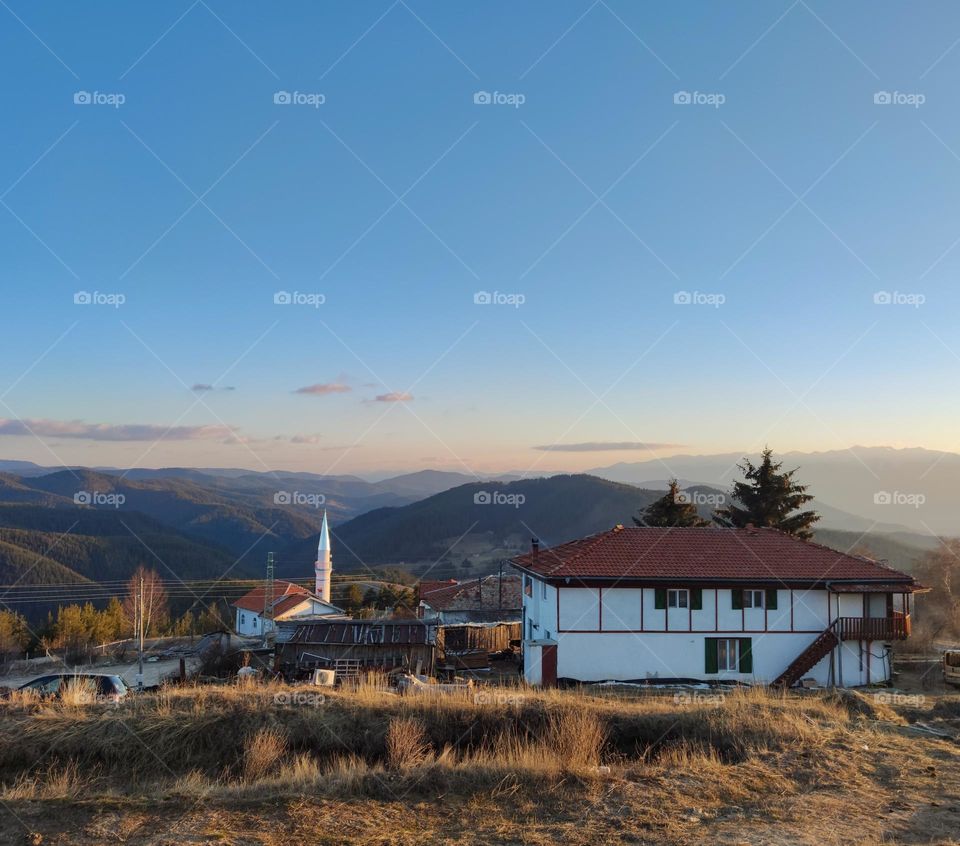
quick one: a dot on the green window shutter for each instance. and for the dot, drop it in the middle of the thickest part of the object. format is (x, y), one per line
(696, 599)
(660, 598)
(736, 599)
(746, 655)
(771, 599)
(710, 655)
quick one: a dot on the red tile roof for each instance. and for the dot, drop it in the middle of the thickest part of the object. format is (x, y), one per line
(483, 594)
(707, 554)
(286, 595)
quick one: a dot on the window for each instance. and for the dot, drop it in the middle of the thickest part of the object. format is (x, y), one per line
(727, 654)
(543, 590)
(527, 586)
(753, 599)
(243, 619)
(678, 598)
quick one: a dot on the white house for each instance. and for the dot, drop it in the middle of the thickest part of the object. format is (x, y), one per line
(291, 601)
(752, 605)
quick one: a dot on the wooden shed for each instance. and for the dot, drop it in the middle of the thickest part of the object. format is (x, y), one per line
(352, 646)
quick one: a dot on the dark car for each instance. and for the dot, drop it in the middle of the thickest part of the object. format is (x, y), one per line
(100, 688)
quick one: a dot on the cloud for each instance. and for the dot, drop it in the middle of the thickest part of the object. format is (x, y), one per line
(305, 439)
(323, 388)
(605, 446)
(394, 396)
(113, 432)
(202, 388)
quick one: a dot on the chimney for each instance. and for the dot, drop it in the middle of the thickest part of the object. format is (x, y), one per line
(535, 546)
(751, 528)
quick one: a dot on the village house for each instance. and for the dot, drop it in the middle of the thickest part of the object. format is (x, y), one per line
(260, 610)
(709, 604)
(490, 599)
(290, 602)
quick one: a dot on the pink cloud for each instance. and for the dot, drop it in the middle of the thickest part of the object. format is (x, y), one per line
(323, 388)
(395, 396)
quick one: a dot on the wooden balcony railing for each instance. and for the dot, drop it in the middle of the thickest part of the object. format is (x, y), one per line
(896, 627)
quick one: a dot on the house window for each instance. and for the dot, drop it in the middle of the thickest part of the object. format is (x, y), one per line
(243, 619)
(543, 590)
(728, 654)
(678, 598)
(255, 620)
(528, 586)
(753, 599)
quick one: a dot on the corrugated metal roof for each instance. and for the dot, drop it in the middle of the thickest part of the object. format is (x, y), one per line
(365, 633)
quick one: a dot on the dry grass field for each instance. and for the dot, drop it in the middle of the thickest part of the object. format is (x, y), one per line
(279, 765)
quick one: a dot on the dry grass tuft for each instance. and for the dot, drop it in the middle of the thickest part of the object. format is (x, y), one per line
(262, 753)
(407, 744)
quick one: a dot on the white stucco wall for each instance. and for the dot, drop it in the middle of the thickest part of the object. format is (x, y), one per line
(599, 634)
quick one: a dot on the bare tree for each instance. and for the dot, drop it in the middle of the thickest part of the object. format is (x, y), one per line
(156, 610)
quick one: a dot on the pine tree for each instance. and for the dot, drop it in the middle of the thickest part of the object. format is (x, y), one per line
(673, 509)
(767, 498)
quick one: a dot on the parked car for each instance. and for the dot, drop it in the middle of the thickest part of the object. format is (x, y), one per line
(951, 667)
(101, 688)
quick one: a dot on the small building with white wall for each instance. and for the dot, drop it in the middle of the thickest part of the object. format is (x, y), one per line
(709, 604)
(289, 601)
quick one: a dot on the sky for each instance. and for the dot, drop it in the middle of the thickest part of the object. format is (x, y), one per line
(382, 236)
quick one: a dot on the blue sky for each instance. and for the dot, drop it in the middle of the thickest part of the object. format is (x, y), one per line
(783, 211)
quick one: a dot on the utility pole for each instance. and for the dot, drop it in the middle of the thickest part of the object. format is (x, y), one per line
(140, 637)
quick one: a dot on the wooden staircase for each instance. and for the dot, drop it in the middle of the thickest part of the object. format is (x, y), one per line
(826, 641)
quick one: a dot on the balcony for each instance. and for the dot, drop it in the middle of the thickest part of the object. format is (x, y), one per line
(896, 627)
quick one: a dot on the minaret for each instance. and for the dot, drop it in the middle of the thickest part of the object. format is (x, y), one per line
(324, 565)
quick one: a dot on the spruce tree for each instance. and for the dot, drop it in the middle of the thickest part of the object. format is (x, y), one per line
(672, 510)
(767, 498)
